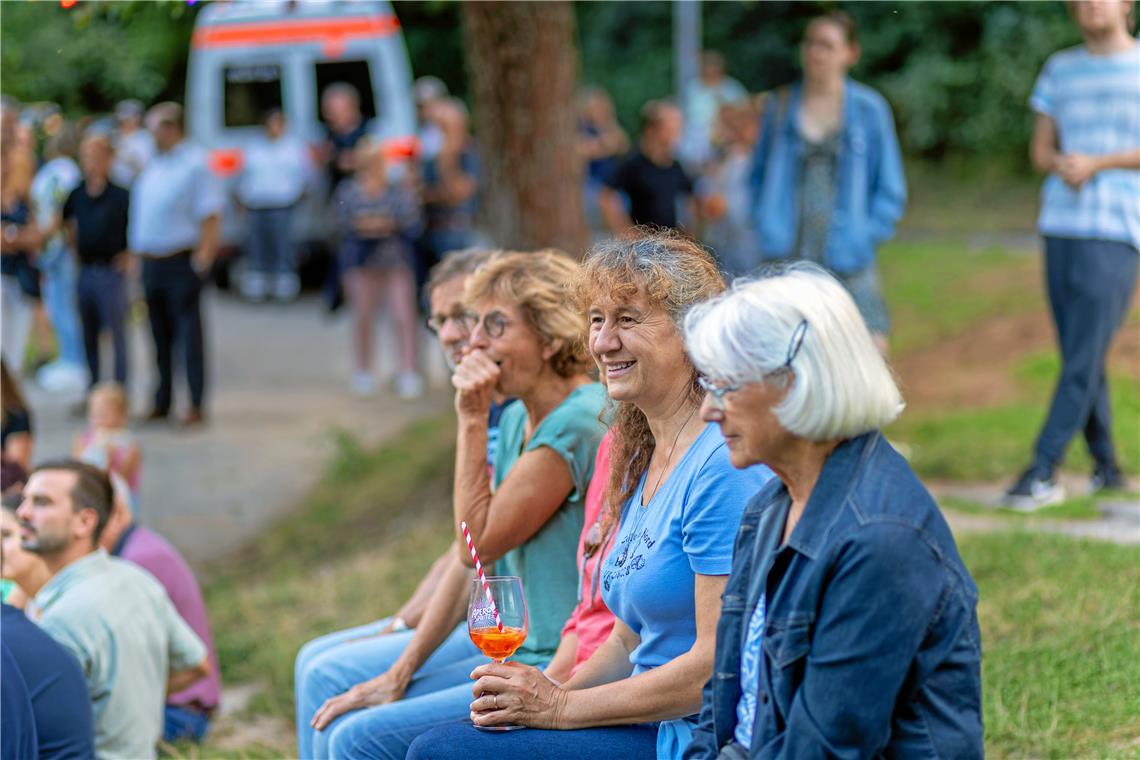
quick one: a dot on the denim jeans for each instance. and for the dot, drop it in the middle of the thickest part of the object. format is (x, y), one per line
(463, 741)
(439, 693)
(180, 723)
(1090, 284)
(60, 274)
(271, 240)
(103, 305)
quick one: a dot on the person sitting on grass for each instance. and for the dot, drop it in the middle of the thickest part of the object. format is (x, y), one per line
(112, 616)
(371, 698)
(674, 503)
(853, 627)
(188, 712)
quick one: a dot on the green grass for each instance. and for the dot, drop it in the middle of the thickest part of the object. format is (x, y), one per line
(941, 197)
(1060, 635)
(996, 442)
(937, 290)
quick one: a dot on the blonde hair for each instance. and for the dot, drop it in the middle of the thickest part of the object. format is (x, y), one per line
(841, 386)
(673, 272)
(112, 391)
(537, 284)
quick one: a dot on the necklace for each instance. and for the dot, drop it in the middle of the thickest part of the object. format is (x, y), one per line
(669, 457)
(634, 535)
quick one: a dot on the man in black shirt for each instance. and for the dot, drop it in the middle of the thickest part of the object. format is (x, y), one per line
(650, 175)
(95, 217)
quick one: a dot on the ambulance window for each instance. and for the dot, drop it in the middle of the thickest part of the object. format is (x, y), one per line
(251, 90)
(355, 73)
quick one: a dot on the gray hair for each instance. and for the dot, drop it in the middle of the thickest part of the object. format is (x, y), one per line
(841, 385)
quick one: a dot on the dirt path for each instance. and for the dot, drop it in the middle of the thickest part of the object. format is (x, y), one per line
(278, 391)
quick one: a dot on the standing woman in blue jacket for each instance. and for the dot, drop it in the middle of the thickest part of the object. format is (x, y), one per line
(827, 178)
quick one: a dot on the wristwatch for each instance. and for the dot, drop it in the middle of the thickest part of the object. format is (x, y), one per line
(399, 624)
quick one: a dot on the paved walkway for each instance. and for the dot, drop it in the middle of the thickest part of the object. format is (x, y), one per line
(278, 389)
(1119, 520)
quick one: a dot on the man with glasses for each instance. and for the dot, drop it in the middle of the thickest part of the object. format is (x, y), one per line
(450, 322)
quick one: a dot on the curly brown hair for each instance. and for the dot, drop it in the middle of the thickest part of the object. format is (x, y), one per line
(672, 271)
(537, 283)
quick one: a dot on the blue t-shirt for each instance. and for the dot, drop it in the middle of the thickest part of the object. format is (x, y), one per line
(56, 687)
(749, 676)
(687, 529)
(18, 734)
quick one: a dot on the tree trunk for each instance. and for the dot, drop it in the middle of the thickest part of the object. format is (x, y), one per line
(522, 60)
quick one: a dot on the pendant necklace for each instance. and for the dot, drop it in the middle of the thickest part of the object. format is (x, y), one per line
(642, 509)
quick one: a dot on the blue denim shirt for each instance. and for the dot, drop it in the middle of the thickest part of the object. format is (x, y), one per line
(870, 193)
(871, 645)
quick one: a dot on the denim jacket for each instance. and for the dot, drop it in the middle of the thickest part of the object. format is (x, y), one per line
(870, 644)
(870, 193)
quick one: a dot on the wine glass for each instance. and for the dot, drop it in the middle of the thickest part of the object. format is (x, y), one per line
(507, 591)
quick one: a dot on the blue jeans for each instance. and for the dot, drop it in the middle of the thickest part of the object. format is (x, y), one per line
(439, 693)
(180, 723)
(271, 240)
(462, 741)
(1090, 284)
(60, 275)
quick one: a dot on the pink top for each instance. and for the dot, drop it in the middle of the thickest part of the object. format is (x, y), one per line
(591, 619)
(154, 554)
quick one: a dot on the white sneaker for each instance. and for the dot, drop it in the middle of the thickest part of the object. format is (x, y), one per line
(409, 385)
(363, 384)
(286, 286)
(254, 285)
(60, 376)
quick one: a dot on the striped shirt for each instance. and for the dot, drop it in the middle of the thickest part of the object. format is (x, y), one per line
(1094, 100)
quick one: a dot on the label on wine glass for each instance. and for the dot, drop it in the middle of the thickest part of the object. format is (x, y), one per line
(481, 617)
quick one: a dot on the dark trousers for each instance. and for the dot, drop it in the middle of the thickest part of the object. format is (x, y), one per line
(102, 300)
(270, 240)
(1090, 284)
(173, 291)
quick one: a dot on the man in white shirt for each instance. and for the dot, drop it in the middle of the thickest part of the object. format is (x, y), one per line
(275, 174)
(175, 221)
(134, 146)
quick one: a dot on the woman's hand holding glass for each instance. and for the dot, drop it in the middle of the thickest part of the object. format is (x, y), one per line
(513, 693)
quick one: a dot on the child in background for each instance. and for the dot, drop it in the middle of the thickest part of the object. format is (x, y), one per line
(107, 442)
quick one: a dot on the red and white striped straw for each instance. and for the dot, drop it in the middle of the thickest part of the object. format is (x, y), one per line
(482, 575)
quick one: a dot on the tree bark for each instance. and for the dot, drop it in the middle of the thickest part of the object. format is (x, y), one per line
(522, 60)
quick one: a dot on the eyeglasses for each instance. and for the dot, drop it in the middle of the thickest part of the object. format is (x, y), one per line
(718, 392)
(436, 322)
(494, 323)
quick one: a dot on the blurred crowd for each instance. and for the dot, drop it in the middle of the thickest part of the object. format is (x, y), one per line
(684, 468)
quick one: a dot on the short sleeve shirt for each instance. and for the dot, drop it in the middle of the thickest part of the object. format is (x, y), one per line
(688, 528)
(546, 561)
(654, 191)
(1094, 101)
(154, 554)
(100, 223)
(170, 199)
(123, 629)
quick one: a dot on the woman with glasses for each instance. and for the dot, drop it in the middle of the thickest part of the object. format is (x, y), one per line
(849, 627)
(674, 501)
(370, 699)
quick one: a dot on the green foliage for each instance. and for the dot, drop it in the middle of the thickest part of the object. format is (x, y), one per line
(89, 56)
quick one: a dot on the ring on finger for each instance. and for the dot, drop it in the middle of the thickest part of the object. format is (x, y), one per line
(496, 696)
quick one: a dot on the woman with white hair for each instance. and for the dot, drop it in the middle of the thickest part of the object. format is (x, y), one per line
(849, 625)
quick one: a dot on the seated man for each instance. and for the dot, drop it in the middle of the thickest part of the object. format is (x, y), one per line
(188, 711)
(58, 693)
(114, 617)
